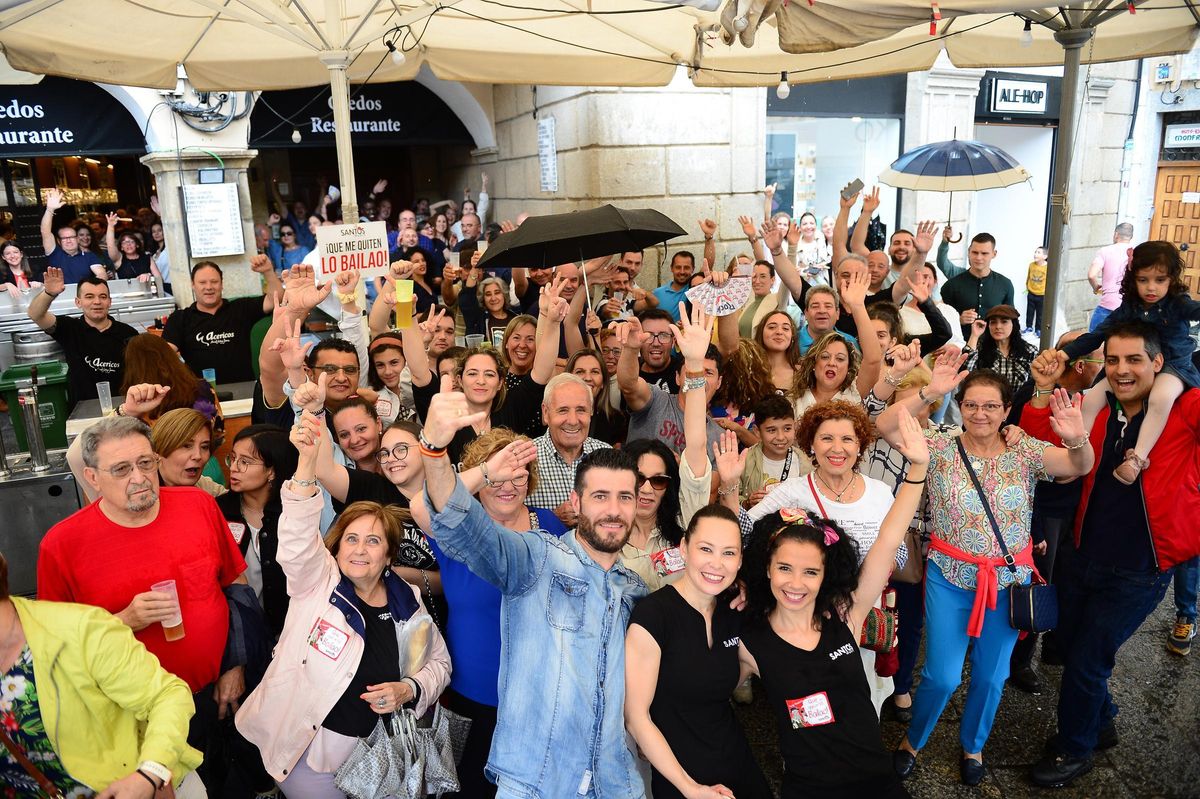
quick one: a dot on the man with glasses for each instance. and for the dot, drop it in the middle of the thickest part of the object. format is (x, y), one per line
(65, 252)
(567, 414)
(137, 535)
(659, 361)
(214, 333)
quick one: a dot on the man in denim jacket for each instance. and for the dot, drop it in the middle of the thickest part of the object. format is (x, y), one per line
(559, 731)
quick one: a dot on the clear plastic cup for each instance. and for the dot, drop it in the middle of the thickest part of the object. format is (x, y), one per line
(172, 627)
(104, 393)
(211, 376)
(474, 340)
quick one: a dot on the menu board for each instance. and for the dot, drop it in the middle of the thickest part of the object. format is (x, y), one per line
(214, 219)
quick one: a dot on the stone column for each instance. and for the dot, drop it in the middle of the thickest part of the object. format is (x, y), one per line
(173, 170)
(940, 106)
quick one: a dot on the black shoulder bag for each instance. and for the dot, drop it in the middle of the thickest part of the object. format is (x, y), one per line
(1032, 608)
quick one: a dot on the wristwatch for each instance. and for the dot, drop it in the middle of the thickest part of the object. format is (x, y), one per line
(156, 770)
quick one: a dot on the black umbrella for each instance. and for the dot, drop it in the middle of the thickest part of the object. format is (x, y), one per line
(557, 239)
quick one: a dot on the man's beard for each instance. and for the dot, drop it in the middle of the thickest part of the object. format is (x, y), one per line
(586, 530)
(897, 261)
(148, 502)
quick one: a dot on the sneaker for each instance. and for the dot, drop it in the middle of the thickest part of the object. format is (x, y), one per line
(743, 694)
(1179, 642)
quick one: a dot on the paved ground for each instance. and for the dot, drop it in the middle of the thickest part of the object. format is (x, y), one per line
(1159, 725)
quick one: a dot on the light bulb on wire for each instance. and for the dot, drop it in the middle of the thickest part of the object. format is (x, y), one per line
(1027, 34)
(295, 136)
(783, 90)
(398, 57)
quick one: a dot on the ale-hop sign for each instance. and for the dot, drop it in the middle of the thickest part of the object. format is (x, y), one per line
(724, 300)
(358, 247)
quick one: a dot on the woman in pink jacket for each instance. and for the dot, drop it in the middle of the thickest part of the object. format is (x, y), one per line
(356, 644)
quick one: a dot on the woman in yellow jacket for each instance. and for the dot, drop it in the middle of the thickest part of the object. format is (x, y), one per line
(90, 707)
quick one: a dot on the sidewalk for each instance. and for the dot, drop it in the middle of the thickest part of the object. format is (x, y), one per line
(1159, 725)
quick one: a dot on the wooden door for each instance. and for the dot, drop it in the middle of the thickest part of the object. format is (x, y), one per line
(1177, 221)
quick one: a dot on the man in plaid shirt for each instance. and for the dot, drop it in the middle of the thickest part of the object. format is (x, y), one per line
(567, 413)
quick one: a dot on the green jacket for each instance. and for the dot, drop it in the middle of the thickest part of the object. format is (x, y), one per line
(106, 702)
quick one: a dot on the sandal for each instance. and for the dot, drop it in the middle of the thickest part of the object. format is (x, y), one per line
(1133, 466)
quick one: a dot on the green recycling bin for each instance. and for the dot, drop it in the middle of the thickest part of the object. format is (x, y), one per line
(52, 401)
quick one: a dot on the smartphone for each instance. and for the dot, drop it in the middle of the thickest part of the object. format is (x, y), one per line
(852, 188)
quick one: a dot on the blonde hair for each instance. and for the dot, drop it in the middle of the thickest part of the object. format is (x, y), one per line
(491, 442)
(176, 428)
(804, 379)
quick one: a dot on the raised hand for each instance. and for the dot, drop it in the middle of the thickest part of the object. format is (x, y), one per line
(274, 218)
(261, 264)
(870, 202)
(946, 374)
(292, 351)
(380, 186)
(854, 289)
(400, 270)
(793, 234)
(925, 233)
(978, 325)
(429, 325)
(696, 334)
(111, 219)
(708, 227)
(912, 444)
(947, 234)
(55, 199)
(301, 291)
(748, 227)
(1066, 419)
(53, 281)
(507, 226)
(1048, 367)
(772, 235)
(551, 303)
(306, 436)
(512, 461)
(154, 206)
(143, 398)
(847, 202)
(347, 282)
(592, 323)
(728, 462)
(311, 396)
(918, 289)
(905, 357)
(448, 413)
(630, 334)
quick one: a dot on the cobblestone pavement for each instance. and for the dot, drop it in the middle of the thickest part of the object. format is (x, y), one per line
(1159, 725)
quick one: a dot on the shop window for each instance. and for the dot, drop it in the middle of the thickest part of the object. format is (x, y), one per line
(1171, 150)
(812, 158)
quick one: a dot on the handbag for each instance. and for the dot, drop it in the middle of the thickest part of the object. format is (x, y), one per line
(373, 770)
(1032, 608)
(913, 570)
(423, 746)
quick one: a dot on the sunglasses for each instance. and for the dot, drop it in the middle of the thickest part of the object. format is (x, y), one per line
(658, 482)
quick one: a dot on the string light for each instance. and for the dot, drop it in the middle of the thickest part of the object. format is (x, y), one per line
(1027, 34)
(783, 90)
(295, 136)
(398, 56)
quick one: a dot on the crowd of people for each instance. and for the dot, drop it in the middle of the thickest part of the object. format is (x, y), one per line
(583, 516)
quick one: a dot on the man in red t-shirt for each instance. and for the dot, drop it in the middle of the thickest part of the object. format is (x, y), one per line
(136, 535)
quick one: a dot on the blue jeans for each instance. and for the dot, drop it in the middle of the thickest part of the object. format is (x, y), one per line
(1187, 580)
(1100, 606)
(947, 609)
(1098, 316)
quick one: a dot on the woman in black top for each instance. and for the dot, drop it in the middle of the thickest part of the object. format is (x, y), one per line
(262, 458)
(681, 666)
(813, 599)
(129, 260)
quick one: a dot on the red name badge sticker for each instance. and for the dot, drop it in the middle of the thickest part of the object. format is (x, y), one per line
(327, 639)
(810, 711)
(238, 530)
(667, 561)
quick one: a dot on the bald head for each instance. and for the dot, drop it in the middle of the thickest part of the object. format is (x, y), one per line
(1082, 372)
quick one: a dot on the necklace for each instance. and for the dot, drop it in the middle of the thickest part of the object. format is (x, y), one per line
(837, 494)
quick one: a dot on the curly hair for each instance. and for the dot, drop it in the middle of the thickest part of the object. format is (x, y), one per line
(667, 517)
(1154, 255)
(806, 370)
(491, 442)
(747, 377)
(792, 353)
(838, 583)
(830, 411)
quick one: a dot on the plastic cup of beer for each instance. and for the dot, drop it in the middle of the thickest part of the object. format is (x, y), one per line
(104, 394)
(474, 340)
(172, 627)
(404, 304)
(211, 376)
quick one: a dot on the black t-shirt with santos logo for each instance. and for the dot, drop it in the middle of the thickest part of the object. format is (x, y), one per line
(93, 356)
(220, 340)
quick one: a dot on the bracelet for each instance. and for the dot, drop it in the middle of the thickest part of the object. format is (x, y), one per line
(689, 373)
(431, 450)
(708, 238)
(722, 491)
(1080, 444)
(486, 480)
(296, 481)
(694, 384)
(118, 410)
(925, 399)
(1042, 392)
(892, 381)
(150, 780)
(920, 482)
(347, 298)
(777, 253)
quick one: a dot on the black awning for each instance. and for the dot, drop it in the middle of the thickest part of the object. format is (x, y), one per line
(59, 116)
(380, 114)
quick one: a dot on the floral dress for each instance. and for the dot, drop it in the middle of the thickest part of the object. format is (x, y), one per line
(22, 720)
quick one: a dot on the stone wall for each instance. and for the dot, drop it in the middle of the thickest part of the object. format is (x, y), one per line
(690, 153)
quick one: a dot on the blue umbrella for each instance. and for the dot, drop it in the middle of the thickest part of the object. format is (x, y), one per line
(954, 166)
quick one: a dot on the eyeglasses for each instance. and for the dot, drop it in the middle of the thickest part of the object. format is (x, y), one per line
(145, 465)
(658, 482)
(398, 452)
(615, 351)
(283, 233)
(239, 464)
(662, 338)
(67, 238)
(331, 370)
(516, 482)
(988, 407)
(1088, 360)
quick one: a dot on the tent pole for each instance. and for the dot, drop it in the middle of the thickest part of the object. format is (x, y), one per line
(1072, 41)
(336, 62)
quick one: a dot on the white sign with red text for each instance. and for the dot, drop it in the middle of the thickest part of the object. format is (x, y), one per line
(358, 247)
